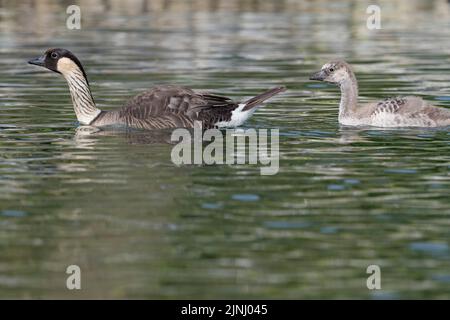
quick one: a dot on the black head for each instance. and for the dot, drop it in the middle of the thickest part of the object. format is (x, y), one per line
(51, 57)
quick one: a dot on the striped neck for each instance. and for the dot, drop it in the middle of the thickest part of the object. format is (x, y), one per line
(83, 102)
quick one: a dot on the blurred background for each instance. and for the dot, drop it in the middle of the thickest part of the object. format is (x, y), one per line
(140, 227)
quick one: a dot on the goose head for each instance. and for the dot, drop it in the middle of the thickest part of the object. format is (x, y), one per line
(59, 60)
(333, 72)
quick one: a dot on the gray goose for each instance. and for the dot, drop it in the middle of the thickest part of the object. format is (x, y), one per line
(408, 111)
(161, 107)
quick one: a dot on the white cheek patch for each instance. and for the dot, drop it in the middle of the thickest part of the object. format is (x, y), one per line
(66, 66)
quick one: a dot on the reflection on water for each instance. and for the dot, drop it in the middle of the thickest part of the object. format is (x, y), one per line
(138, 226)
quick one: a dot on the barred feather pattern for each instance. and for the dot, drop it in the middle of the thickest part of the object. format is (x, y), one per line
(82, 99)
(161, 107)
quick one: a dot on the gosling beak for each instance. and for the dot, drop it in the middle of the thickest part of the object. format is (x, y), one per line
(320, 76)
(39, 61)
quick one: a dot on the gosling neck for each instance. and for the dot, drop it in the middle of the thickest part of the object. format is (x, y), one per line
(349, 96)
(83, 102)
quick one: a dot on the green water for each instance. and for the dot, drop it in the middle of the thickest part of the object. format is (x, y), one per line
(140, 227)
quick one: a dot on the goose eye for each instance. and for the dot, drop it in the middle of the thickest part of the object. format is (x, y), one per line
(54, 55)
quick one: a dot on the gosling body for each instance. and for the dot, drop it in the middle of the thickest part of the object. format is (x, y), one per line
(161, 107)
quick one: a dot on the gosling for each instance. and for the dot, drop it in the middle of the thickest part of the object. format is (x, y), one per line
(161, 107)
(409, 111)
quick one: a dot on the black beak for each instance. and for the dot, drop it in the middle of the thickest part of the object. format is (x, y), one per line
(39, 61)
(320, 76)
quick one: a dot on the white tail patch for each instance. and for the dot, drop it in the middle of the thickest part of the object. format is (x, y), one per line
(238, 117)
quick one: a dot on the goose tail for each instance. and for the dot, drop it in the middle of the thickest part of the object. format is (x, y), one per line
(260, 98)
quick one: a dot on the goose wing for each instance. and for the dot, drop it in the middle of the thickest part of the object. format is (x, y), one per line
(408, 105)
(408, 110)
(397, 105)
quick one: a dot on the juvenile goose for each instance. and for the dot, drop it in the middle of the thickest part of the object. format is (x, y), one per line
(161, 107)
(406, 111)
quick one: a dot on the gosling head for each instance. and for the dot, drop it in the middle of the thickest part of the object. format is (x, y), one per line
(333, 72)
(59, 60)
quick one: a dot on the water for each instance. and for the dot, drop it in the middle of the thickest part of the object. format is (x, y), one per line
(140, 227)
